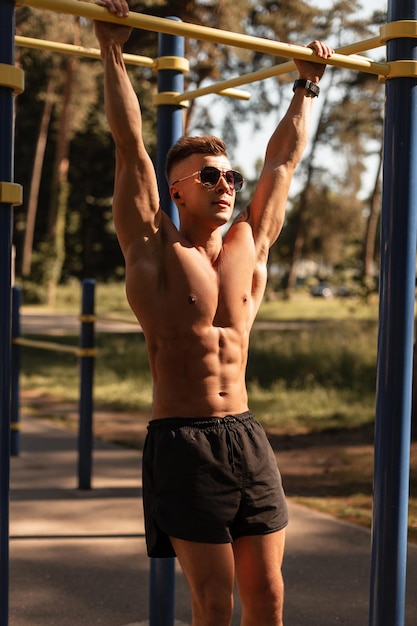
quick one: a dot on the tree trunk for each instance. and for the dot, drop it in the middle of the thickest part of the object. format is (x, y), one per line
(36, 179)
(60, 190)
(298, 246)
(371, 229)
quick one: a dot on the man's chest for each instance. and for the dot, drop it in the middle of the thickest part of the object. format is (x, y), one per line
(184, 287)
(199, 293)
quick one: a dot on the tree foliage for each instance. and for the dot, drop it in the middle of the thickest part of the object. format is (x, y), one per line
(76, 151)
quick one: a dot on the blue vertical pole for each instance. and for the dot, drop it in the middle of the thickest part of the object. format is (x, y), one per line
(6, 224)
(87, 361)
(15, 374)
(170, 129)
(169, 116)
(395, 340)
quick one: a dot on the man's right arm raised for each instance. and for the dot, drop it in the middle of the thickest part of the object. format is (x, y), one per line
(136, 199)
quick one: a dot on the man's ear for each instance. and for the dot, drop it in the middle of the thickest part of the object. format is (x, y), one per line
(175, 195)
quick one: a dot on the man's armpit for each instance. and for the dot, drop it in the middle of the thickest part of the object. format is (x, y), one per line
(243, 216)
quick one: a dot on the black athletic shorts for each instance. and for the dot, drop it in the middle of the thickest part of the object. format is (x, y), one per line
(209, 480)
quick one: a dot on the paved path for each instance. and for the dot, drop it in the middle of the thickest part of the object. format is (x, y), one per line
(33, 323)
(77, 558)
(43, 323)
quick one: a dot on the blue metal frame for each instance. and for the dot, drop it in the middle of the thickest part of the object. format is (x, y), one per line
(169, 116)
(15, 374)
(6, 224)
(87, 363)
(396, 335)
(170, 129)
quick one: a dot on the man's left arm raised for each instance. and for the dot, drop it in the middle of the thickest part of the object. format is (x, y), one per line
(284, 151)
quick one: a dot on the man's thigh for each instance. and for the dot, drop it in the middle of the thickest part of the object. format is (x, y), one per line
(208, 567)
(258, 561)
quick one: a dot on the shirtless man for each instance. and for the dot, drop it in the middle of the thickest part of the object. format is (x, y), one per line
(212, 490)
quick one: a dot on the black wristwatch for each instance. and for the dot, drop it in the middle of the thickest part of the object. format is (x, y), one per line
(311, 87)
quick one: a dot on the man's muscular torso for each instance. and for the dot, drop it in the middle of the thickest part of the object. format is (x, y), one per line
(196, 315)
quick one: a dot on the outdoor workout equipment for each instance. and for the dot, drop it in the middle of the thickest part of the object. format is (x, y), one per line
(397, 276)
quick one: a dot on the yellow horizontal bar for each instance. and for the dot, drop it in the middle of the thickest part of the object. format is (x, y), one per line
(15, 426)
(175, 63)
(11, 193)
(13, 77)
(275, 70)
(45, 345)
(238, 94)
(171, 27)
(120, 320)
(54, 347)
(223, 88)
(400, 28)
(80, 51)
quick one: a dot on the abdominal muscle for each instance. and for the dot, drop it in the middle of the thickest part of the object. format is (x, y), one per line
(196, 317)
(199, 373)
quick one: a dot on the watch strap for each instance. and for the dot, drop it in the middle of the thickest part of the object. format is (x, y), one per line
(311, 87)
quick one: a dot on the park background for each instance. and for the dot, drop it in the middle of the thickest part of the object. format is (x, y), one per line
(312, 365)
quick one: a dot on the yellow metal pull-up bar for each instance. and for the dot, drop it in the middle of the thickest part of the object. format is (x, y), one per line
(194, 31)
(275, 70)
(79, 51)
(129, 59)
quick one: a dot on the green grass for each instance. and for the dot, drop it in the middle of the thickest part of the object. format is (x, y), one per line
(121, 378)
(314, 378)
(110, 298)
(304, 307)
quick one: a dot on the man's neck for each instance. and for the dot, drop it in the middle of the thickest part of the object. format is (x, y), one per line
(208, 242)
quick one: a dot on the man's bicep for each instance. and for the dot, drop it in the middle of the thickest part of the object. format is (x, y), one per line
(267, 209)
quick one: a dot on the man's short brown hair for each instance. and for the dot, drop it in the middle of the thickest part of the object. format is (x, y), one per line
(186, 146)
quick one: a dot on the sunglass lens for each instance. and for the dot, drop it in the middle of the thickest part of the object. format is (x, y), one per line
(237, 180)
(209, 176)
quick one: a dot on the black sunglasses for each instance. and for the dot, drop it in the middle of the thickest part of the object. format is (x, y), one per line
(209, 176)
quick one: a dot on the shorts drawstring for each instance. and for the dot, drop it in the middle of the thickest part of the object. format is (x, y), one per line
(230, 451)
(229, 424)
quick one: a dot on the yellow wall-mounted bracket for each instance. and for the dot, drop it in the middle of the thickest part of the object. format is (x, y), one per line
(11, 193)
(13, 77)
(180, 64)
(169, 97)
